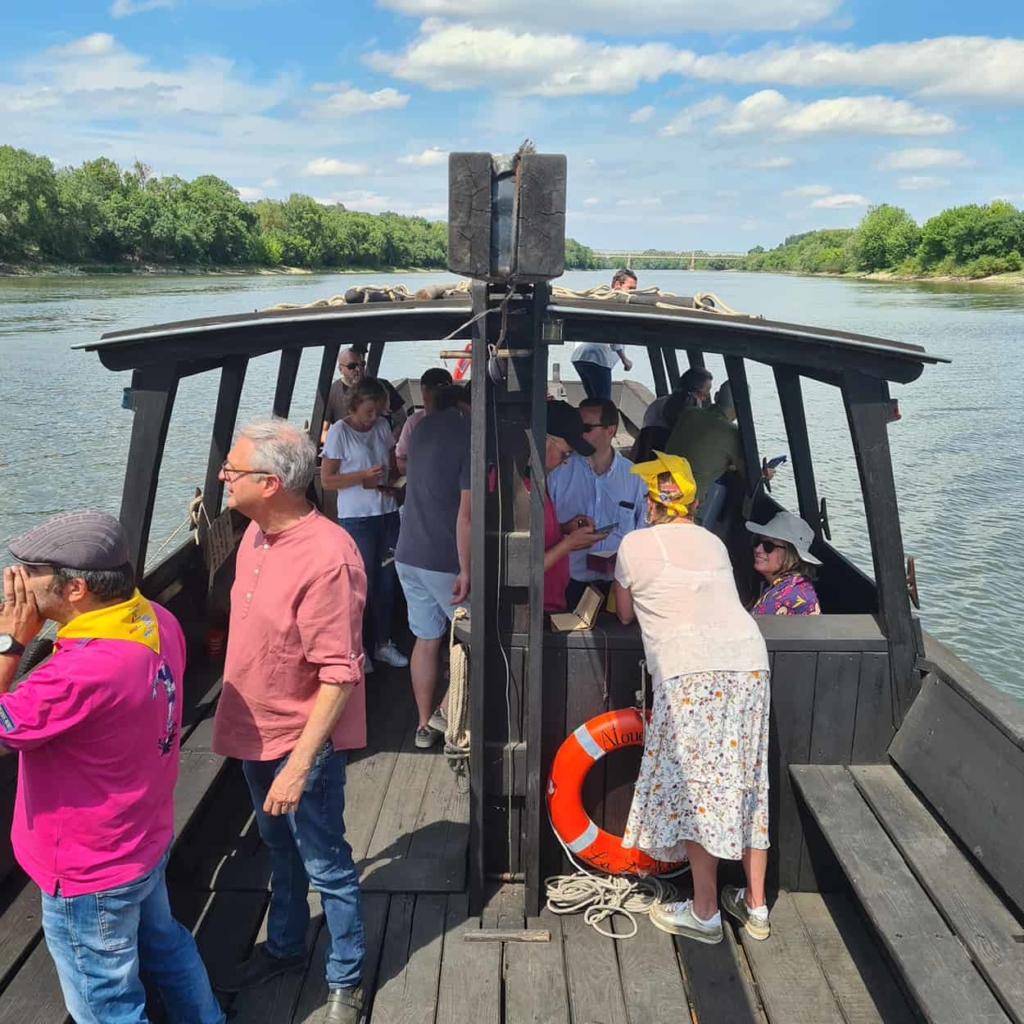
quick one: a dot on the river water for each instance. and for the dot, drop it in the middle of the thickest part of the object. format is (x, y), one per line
(955, 452)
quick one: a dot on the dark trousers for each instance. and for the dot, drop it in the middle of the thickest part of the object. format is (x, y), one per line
(597, 380)
(376, 538)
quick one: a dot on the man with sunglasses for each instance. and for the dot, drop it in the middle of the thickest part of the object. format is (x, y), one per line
(601, 487)
(352, 367)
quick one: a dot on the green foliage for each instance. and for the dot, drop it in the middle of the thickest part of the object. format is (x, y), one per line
(967, 233)
(812, 252)
(28, 203)
(885, 238)
(580, 257)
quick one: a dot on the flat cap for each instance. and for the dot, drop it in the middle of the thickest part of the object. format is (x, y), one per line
(74, 540)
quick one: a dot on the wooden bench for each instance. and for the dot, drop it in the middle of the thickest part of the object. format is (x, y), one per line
(29, 990)
(931, 845)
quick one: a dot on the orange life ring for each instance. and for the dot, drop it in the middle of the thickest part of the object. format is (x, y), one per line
(582, 837)
(462, 365)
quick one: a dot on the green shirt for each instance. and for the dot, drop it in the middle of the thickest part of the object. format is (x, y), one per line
(709, 442)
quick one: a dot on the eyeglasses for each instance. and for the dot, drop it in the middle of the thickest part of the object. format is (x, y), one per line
(588, 427)
(351, 366)
(767, 545)
(225, 468)
(565, 453)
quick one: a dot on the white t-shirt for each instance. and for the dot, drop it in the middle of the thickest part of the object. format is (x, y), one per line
(686, 602)
(596, 352)
(356, 450)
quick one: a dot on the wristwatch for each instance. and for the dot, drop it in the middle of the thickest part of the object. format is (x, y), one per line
(8, 645)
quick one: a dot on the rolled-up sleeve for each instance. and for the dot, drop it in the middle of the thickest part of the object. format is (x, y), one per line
(330, 623)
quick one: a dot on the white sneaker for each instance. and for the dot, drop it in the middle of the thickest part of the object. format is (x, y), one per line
(439, 721)
(679, 919)
(391, 655)
(367, 663)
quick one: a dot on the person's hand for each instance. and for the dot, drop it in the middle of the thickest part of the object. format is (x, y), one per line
(578, 540)
(460, 588)
(627, 363)
(375, 475)
(286, 790)
(577, 523)
(769, 473)
(19, 614)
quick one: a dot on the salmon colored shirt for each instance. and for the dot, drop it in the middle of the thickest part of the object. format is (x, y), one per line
(296, 623)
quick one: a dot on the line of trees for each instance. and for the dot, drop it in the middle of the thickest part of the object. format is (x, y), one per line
(98, 213)
(964, 241)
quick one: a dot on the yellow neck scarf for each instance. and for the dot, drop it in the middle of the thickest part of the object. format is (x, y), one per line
(133, 620)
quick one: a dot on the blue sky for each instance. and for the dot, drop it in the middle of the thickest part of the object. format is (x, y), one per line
(686, 123)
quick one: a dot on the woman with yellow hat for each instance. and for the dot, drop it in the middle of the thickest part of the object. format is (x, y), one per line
(702, 793)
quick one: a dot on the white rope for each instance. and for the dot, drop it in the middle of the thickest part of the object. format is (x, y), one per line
(599, 898)
(456, 736)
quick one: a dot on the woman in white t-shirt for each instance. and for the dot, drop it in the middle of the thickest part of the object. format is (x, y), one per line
(702, 793)
(357, 463)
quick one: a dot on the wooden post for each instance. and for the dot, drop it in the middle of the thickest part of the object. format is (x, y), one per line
(323, 390)
(536, 769)
(232, 378)
(672, 364)
(868, 408)
(787, 380)
(658, 370)
(482, 582)
(374, 357)
(287, 371)
(153, 390)
(737, 371)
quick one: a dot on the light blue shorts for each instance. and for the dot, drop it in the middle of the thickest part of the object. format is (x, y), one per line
(429, 597)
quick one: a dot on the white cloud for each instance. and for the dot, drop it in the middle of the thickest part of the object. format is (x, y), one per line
(809, 190)
(666, 15)
(772, 163)
(841, 201)
(641, 201)
(591, 201)
(248, 193)
(428, 158)
(917, 159)
(769, 110)
(974, 67)
(345, 101)
(641, 115)
(918, 182)
(96, 45)
(125, 8)
(323, 167)
(270, 183)
(687, 119)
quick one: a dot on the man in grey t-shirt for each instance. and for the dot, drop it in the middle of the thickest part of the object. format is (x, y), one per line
(432, 557)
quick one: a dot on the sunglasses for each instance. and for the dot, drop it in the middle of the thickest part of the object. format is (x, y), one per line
(767, 545)
(588, 427)
(351, 366)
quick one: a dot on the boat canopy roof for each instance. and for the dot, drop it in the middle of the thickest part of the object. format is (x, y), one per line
(662, 320)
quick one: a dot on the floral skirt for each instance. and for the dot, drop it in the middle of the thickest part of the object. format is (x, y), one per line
(704, 773)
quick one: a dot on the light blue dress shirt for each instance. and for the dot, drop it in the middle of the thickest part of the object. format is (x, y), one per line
(577, 490)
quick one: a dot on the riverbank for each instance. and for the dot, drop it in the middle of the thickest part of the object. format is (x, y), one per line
(168, 270)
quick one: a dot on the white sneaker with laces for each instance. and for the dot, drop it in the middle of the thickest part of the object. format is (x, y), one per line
(391, 655)
(679, 919)
(439, 721)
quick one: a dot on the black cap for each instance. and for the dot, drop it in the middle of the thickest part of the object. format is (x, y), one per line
(565, 422)
(74, 540)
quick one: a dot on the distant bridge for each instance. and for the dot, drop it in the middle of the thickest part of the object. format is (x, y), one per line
(626, 256)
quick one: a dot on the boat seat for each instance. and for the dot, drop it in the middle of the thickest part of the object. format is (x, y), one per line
(950, 932)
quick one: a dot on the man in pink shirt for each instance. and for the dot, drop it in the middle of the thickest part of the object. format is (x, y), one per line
(97, 730)
(294, 704)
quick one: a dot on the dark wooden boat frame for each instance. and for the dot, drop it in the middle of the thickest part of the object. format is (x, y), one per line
(896, 771)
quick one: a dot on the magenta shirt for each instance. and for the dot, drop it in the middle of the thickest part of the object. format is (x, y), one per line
(98, 729)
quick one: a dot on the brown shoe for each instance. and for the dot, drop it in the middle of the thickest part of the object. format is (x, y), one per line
(344, 1006)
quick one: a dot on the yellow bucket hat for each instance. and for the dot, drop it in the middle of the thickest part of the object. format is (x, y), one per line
(676, 500)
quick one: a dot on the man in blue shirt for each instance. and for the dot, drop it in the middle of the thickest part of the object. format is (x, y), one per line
(601, 486)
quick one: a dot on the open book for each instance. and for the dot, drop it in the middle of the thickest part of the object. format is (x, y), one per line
(584, 615)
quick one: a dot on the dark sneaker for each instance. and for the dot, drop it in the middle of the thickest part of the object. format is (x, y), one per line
(344, 1006)
(426, 737)
(260, 967)
(756, 925)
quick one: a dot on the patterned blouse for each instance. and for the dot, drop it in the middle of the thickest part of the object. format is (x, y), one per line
(792, 594)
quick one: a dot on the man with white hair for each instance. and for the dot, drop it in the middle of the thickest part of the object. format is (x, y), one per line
(294, 704)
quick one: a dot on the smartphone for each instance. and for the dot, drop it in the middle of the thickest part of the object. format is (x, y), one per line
(605, 529)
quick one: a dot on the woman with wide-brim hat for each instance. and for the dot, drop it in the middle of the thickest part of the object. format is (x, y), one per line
(782, 556)
(702, 792)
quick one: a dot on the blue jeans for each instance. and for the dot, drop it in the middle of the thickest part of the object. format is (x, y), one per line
(100, 942)
(597, 380)
(376, 537)
(308, 845)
